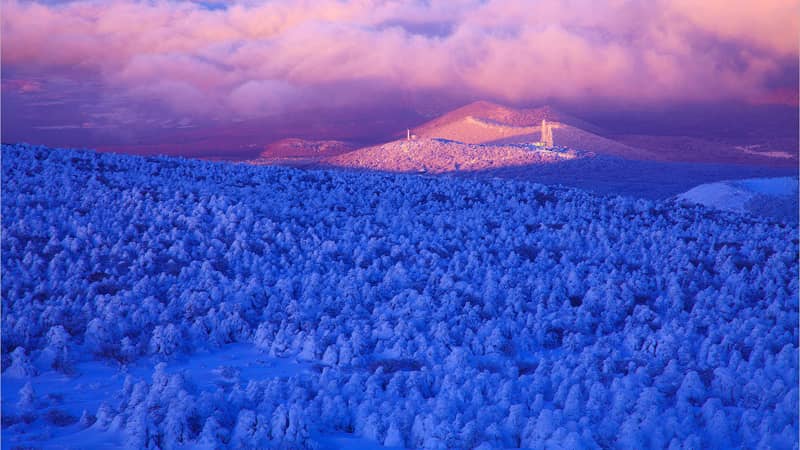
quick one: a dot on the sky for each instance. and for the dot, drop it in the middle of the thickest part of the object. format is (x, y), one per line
(227, 77)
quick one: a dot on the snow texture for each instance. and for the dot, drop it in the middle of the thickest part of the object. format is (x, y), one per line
(170, 303)
(442, 156)
(772, 197)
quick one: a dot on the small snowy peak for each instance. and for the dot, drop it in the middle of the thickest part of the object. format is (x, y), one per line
(478, 130)
(490, 123)
(771, 197)
(482, 122)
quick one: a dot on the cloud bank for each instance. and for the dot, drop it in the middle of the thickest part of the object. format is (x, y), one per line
(200, 61)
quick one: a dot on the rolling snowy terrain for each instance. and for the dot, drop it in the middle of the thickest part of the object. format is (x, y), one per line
(300, 152)
(170, 303)
(771, 197)
(642, 179)
(485, 140)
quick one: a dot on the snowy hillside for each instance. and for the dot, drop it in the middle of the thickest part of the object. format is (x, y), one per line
(296, 152)
(302, 148)
(440, 156)
(770, 197)
(170, 303)
(489, 123)
(577, 138)
(771, 150)
(481, 122)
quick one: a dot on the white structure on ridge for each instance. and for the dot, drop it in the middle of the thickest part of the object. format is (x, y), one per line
(547, 134)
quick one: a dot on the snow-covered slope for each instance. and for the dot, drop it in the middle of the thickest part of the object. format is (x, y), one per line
(489, 123)
(186, 304)
(300, 152)
(481, 122)
(303, 148)
(579, 139)
(772, 151)
(772, 197)
(439, 156)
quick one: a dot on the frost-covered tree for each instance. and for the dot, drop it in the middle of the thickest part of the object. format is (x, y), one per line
(26, 405)
(421, 312)
(21, 366)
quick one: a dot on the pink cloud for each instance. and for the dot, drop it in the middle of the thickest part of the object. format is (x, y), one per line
(254, 59)
(767, 25)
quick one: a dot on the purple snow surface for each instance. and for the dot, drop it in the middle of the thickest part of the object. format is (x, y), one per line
(171, 303)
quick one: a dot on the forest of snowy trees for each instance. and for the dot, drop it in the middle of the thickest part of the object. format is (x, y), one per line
(432, 312)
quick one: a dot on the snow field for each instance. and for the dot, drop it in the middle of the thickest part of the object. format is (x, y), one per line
(422, 312)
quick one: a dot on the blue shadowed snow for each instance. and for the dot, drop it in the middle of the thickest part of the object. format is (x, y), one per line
(170, 303)
(769, 197)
